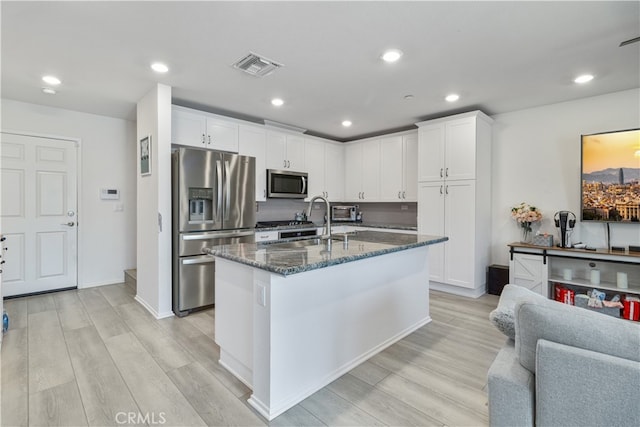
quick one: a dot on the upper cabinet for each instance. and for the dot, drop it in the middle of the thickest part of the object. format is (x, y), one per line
(325, 166)
(203, 130)
(398, 168)
(362, 171)
(253, 143)
(450, 148)
(285, 151)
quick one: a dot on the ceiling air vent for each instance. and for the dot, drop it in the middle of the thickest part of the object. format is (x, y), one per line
(256, 65)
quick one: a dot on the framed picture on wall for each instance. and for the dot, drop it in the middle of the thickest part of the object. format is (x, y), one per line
(145, 156)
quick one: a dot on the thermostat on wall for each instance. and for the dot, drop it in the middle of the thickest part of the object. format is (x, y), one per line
(109, 194)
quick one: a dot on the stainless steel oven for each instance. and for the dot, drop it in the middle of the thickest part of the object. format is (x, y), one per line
(286, 184)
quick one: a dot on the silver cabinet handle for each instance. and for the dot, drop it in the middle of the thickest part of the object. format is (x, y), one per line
(446, 173)
(441, 189)
(404, 194)
(69, 224)
(203, 139)
(288, 164)
(284, 163)
(264, 192)
(209, 139)
(399, 194)
(446, 189)
(363, 195)
(441, 173)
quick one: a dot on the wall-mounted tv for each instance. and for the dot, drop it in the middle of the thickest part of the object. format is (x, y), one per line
(611, 176)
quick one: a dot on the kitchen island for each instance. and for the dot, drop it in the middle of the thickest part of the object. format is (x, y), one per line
(293, 316)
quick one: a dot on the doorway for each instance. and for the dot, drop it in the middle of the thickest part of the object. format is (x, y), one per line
(39, 213)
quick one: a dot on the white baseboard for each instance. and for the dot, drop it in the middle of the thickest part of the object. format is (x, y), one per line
(456, 290)
(150, 309)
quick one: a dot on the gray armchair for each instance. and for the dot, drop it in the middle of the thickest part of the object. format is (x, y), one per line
(563, 366)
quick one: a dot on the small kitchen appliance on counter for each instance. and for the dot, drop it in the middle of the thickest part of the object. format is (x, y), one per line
(345, 213)
(213, 204)
(565, 221)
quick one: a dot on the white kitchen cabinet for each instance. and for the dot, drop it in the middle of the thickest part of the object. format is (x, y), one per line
(285, 151)
(203, 130)
(252, 142)
(362, 171)
(529, 271)
(454, 206)
(448, 148)
(325, 166)
(398, 168)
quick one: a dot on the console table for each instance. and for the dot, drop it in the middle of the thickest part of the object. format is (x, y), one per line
(538, 268)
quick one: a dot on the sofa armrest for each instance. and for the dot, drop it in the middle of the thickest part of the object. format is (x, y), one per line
(577, 387)
(511, 390)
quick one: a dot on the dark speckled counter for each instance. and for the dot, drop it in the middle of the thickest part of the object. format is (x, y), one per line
(297, 256)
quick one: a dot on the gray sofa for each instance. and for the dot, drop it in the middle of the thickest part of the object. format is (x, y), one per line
(562, 365)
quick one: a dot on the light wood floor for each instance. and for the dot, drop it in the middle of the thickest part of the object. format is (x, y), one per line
(96, 357)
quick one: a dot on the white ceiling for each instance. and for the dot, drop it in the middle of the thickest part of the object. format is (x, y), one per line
(499, 56)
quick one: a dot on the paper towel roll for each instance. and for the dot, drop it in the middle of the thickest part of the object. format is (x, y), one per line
(595, 277)
(622, 280)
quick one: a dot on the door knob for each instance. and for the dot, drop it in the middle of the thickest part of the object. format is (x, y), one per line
(69, 224)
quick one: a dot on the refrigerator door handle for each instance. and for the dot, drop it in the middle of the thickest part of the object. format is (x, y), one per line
(217, 235)
(227, 195)
(199, 260)
(219, 175)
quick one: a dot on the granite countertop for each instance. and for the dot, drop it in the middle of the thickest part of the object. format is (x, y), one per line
(340, 223)
(299, 255)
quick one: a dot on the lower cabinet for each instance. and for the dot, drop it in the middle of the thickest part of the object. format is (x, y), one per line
(530, 272)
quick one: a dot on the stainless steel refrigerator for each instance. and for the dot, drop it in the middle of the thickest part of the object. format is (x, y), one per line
(213, 199)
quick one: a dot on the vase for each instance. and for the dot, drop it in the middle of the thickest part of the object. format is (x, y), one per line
(526, 233)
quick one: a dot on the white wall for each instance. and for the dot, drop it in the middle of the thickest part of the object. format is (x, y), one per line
(536, 159)
(153, 279)
(107, 239)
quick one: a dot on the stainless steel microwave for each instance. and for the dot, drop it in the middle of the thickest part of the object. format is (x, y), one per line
(287, 184)
(344, 213)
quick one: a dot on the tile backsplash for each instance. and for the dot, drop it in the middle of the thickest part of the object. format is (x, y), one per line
(373, 213)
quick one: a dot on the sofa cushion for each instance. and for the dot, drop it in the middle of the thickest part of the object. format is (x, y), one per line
(572, 326)
(502, 317)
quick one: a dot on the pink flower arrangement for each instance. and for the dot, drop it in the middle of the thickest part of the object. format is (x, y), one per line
(526, 214)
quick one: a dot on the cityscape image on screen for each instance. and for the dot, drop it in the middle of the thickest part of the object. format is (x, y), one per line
(611, 176)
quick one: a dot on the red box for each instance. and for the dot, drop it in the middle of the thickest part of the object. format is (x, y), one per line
(631, 309)
(564, 295)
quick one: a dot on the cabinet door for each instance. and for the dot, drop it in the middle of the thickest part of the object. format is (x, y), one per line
(529, 271)
(333, 172)
(460, 149)
(371, 171)
(431, 221)
(459, 222)
(222, 135)
(315, 159)
(391, 155)
(252, 142)
(353, 173)
(188, 128)
(295, 153)
(276, 150)
(431, 153)
(410, 168)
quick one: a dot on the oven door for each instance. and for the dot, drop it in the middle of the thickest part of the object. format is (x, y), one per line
(286, 184)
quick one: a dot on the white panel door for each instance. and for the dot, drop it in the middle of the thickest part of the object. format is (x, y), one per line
(431, 153)
(252, 142)
(391, 155)
(460, 228)
(410, 168)
(460, 149)
(39, 214)
(431, 221)
(371, 171)
(314, 152)
(334, 172)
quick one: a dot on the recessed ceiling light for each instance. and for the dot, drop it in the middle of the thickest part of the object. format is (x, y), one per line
(51, 80)
(583, 78)
(346, 123)
(452, 97)
(48, 91)
(277, 102)
(391, 55)
(409, 97)
(159, 67)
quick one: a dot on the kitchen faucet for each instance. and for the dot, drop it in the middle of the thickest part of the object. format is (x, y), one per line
(327, 235)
